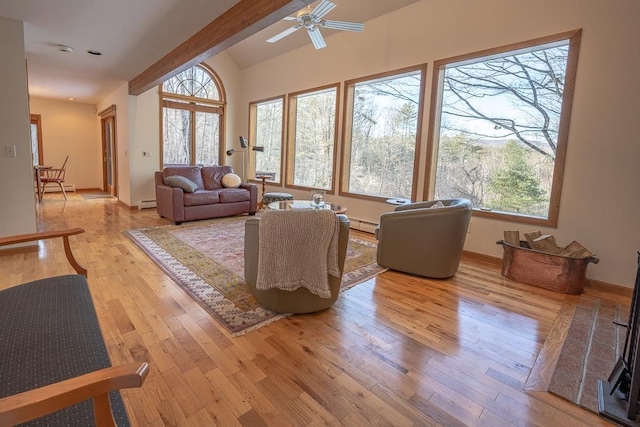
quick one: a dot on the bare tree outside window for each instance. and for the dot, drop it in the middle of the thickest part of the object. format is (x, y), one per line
(266, 124)
(176, 136)
(314, 138)
(383, 134)
(503, 121)
(207, 138)
(192, 118)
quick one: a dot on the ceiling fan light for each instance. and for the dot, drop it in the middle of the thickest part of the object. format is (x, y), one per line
(312, 21)
(304, 11)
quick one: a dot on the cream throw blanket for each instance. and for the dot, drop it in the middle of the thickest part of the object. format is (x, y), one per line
(298, 248)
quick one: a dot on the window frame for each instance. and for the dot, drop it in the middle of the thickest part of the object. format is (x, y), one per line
(195, 105)
(253, 105)
(347, 122)
(292, 99)
(433, 136)
(36, 119)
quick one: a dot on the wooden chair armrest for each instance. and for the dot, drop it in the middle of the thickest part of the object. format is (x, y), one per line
(23, 238)
(36, 403)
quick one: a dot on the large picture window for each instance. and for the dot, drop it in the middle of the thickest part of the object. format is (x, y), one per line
(499, 125)
(266, 130)
(192, 118)
(312, 138)
(382, 122)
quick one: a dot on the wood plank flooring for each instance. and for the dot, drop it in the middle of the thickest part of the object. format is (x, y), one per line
(396, 350)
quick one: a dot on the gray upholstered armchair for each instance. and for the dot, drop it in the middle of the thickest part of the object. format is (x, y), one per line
(300, 300)
(424, 240)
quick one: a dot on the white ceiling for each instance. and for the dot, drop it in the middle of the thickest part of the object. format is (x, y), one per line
(132, 35)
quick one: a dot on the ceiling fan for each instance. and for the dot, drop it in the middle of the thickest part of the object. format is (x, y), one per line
(312, 21)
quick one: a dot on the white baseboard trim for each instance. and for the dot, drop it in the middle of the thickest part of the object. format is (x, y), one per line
(362, 225)
(56, 189)
(146, 204)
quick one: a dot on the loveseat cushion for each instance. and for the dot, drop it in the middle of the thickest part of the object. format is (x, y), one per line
(212, 176)
(201, 197)
(231, 195)
(190, 172)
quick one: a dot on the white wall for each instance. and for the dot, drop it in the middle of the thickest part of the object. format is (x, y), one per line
(121, 99)
(17, 212)
(600, 198)
(229, 74)
(70, 129)
(145, 136)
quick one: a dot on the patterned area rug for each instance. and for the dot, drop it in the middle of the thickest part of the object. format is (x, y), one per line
(206, 259)
(591, 349)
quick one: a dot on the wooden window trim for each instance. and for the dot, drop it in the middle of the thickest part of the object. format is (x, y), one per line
(195, 104)
(253, 105)
(192, 107)
(347, 120)
(573, 37)
(291, 132)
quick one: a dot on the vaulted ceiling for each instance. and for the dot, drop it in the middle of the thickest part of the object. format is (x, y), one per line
(133, 36)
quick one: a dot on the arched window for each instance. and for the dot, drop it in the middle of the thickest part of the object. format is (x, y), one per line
(193, 105)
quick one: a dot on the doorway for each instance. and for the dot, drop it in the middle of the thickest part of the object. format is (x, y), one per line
(109, 151)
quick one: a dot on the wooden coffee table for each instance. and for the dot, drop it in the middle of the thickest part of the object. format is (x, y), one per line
(306, 204)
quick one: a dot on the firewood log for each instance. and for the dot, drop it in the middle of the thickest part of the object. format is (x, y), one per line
(512, 237)
(546, 243)
(530, 237)
(576, 250)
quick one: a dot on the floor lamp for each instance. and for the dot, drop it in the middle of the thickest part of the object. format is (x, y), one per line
(244, 144)
(231, 152)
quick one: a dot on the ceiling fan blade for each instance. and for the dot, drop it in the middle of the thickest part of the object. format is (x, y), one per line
(316, 38)
(284, 34)
(342, 25)
(324, 7)
(289, 18)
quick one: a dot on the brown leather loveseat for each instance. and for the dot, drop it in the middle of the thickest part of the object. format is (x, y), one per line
(204, 196)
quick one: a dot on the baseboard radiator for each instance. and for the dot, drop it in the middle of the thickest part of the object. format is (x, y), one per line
(56, 188)
(146, 204)
(362, 225)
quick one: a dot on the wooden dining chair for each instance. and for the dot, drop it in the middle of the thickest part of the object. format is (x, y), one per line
(53, 176)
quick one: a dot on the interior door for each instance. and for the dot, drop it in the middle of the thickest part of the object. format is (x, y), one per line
(109, 151)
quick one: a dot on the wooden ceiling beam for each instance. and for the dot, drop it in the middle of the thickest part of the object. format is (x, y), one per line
(244, 19)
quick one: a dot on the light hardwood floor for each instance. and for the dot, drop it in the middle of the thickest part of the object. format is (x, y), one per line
(396, 350)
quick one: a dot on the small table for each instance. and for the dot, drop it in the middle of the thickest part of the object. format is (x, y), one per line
(306, 204)
(263, 177)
